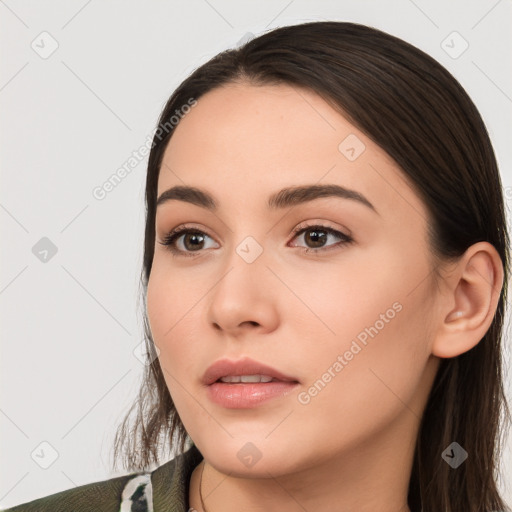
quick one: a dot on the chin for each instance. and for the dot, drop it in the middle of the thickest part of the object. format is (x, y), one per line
(246, 458)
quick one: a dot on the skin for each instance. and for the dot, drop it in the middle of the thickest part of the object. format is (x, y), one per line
(351, 447)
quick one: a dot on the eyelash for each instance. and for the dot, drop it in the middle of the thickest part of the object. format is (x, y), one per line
(170, 239)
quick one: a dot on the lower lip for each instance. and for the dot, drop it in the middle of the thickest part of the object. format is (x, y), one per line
(247, 395)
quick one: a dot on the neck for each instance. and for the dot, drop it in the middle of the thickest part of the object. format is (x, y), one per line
(366, 480)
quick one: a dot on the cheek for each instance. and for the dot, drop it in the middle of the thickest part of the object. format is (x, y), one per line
(170, 319)
(377, 314)
(168, 297)
(159, 312)
(378, 356)
(176, 318)
(374, 383)
(342, 298)
(163, 316)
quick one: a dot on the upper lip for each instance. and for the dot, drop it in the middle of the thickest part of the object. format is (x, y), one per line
(245, 366)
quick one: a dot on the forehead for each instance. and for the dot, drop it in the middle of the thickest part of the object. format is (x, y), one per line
(258, 124)
(243, 141)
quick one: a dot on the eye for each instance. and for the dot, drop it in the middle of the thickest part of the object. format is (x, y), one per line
(193, 239)
(318, 234)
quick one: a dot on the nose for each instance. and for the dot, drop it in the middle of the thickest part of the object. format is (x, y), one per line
(244, 297)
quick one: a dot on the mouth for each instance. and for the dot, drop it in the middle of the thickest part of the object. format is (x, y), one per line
(245, 383)
(251, 379)
(245, 370)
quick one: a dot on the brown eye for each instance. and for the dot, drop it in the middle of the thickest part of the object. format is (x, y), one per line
(192, 241)
(316, 237)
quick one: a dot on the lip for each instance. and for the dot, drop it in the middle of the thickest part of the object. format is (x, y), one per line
(245, 366)
(249, 394)
(245, 395)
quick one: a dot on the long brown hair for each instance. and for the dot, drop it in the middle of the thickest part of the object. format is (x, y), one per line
(414, 109)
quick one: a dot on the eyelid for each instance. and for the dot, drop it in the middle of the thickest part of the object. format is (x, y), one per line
(187, 226)
(323, 224)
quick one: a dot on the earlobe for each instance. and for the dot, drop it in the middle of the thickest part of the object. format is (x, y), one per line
(474, 290)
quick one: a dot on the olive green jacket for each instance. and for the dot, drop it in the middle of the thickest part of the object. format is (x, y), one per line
(164, 489)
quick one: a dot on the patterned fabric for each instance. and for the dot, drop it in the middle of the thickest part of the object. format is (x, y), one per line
(165, 489)
(138, 494)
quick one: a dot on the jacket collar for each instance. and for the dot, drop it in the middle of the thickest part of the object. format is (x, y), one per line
(171, 482)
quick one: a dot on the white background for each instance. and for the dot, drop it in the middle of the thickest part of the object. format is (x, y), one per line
(69, 121)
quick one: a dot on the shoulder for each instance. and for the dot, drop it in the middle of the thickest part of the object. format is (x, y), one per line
(121, 494)
(164, 488)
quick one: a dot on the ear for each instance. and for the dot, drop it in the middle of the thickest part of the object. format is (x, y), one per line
(467, 309)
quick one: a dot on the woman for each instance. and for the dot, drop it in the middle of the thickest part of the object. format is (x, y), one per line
(335, 341)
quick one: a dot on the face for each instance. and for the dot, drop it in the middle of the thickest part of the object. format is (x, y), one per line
(335, 292)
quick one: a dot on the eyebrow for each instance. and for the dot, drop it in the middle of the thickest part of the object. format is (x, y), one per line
(282, 199)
